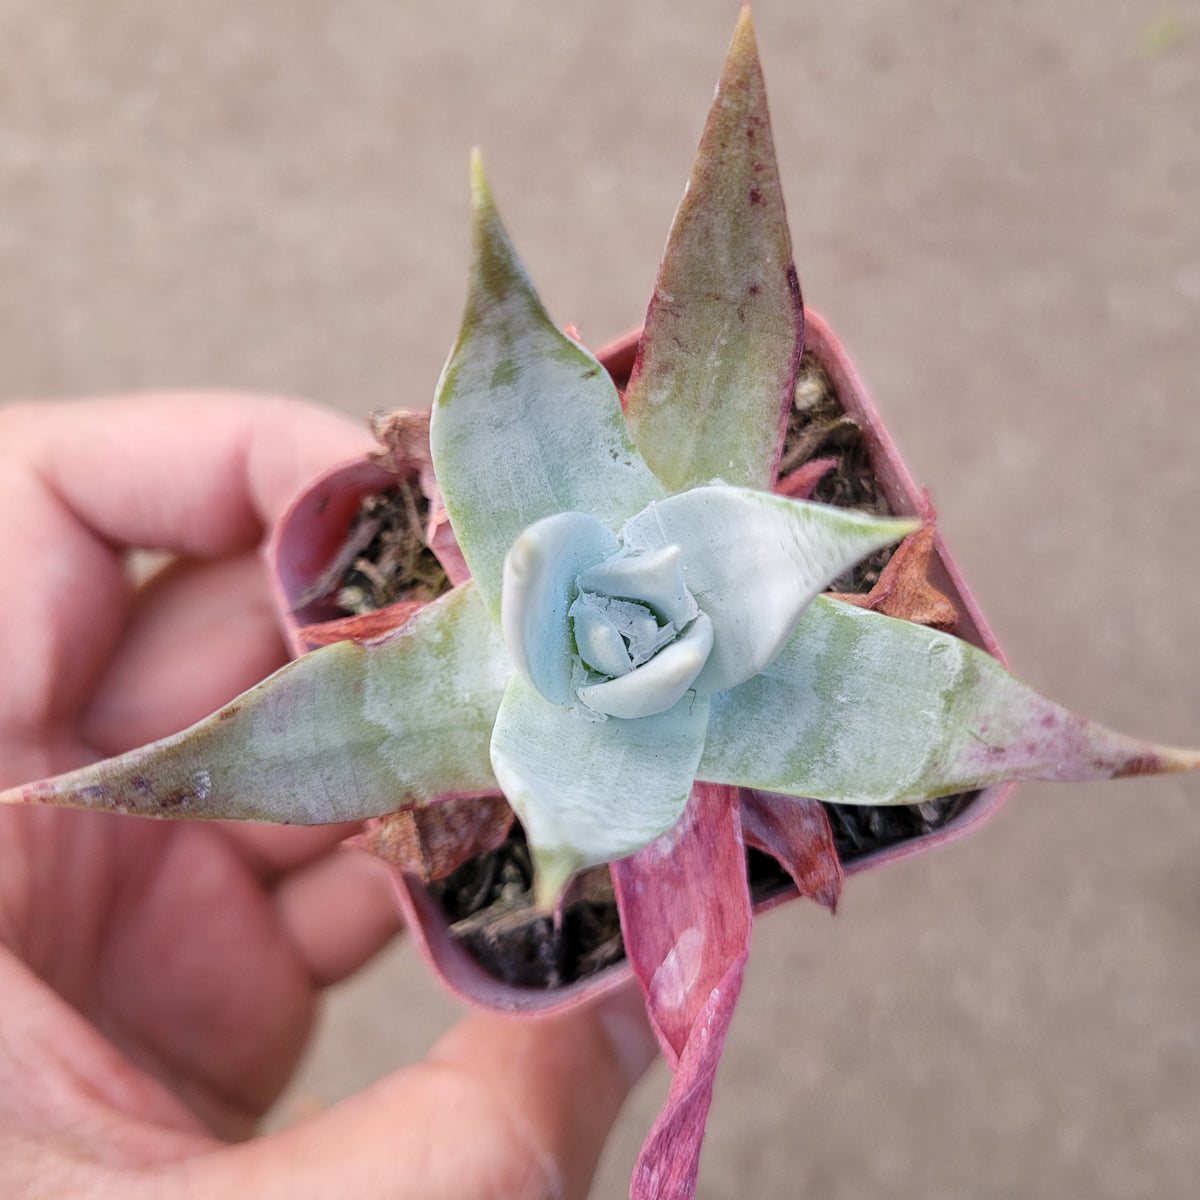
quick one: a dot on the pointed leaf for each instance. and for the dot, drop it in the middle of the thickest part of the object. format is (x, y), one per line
(861, 708)
(795, 831)
(721, 348)
(669, 1160)
(754, 561)
(436, 686)
(589, 791)
(903, 589)
(685, 911)
(346, 732)
(526, 422)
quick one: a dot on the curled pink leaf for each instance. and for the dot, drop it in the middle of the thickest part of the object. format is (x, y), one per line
(802, 482)
(795, 831)
(685, 912)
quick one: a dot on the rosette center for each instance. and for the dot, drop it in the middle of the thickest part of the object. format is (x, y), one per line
(638, 632)
(597, 627)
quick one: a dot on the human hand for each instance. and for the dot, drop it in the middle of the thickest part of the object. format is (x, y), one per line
(158, 980)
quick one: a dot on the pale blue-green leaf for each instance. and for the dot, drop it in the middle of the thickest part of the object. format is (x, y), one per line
(655, 579)
(436, 685)
(599, 641)
(587, 791)
(721, 347)
(540, 570)
(635, 623)
(346, 732)
(860, 708)
(753, 561)
(658, 684)
(526, 423)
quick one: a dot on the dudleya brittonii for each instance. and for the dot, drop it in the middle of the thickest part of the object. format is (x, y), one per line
(698, 593)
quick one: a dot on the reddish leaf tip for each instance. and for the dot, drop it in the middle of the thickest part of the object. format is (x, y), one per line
(1159, 760)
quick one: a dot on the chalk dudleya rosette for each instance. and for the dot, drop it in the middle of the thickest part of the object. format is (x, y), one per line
(620, 639)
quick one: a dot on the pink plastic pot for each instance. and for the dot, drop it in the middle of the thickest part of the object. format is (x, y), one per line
(313, 530)
(906, 499)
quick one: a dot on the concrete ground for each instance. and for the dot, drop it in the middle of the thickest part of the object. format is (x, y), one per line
(998, 208)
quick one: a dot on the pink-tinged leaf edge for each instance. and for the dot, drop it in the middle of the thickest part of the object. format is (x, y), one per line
(906, 498)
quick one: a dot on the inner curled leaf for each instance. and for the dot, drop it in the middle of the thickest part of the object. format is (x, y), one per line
(640, 632)
(615, 636)
(621, 638)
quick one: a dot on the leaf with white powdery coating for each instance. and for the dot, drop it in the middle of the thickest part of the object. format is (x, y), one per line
(587, 791)
(860, 708)
(539, 585)
(526, 422)
(753, 561)
(436, 686)
(717, 366)
(346, 732)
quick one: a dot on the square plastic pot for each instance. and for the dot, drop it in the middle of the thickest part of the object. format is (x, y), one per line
(314, 530)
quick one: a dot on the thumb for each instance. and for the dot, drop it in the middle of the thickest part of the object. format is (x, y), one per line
(510, 1108)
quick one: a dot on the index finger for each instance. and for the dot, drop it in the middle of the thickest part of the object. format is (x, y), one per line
(198, 473)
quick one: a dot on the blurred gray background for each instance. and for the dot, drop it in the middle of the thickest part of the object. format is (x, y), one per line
(998, 208)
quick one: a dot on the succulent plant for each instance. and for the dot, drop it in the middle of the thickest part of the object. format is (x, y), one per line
(642, 660)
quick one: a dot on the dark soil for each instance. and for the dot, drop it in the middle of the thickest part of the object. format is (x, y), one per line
(819, 427)
(861, 829)
(489, 900)
(385, 558)
(489, 903)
